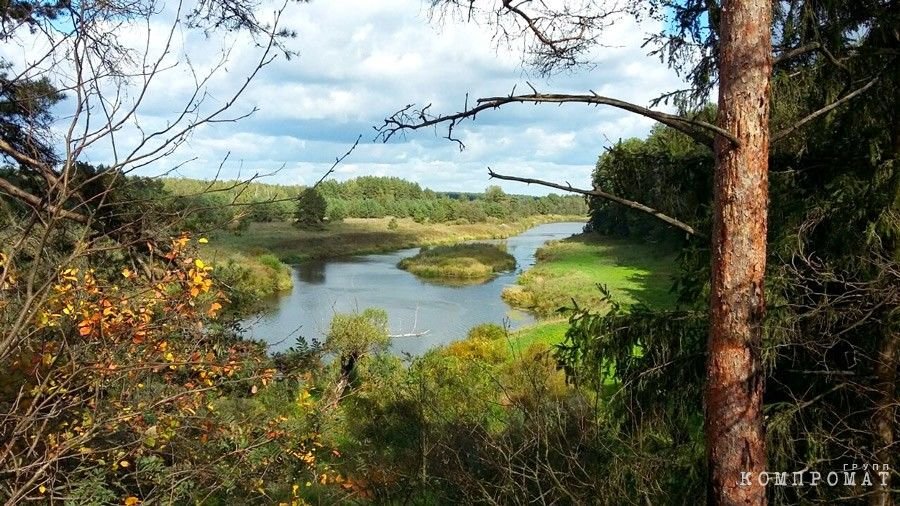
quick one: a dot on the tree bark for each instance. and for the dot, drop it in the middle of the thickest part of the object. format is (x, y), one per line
(734, 388)
(886, 378)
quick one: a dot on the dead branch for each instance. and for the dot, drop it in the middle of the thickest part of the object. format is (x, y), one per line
(409, 118)
(602, 194)
(337, 161)
(830, 107)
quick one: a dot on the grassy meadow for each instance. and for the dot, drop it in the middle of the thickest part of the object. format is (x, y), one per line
(459, 261)
(571, 269)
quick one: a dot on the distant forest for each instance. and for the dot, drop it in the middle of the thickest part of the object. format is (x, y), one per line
(234, 205)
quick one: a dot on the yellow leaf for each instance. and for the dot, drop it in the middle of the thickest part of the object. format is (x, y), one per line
(203, 240)
(132, 501)
(199, 263)
(42, 489)
(124, 463)
(213, 308)
(126, 273)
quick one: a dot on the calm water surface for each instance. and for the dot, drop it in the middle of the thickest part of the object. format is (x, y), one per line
(324, 287)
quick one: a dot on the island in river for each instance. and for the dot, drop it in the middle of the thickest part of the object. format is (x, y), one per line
(323, 287)
(460, 263)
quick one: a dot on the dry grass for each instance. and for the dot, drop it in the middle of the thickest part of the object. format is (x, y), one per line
(357, 236)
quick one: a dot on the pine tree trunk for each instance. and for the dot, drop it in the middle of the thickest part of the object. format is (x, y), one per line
(734, 388)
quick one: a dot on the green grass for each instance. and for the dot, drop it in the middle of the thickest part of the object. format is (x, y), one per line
(572, 269)
(357, 236)
(459, 261)
(545, 333)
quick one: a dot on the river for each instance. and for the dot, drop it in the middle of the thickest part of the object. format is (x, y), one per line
(323, 287)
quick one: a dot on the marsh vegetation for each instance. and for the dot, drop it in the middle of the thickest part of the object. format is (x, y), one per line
(473, 262)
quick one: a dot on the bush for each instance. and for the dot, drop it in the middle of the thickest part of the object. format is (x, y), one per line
(488, 331)
(249, 279)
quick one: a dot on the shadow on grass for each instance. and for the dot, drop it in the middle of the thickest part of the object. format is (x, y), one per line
(648, 268)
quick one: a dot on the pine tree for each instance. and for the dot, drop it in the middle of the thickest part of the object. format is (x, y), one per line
(311, 207)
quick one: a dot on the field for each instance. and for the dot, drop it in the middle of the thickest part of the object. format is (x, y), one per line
(459, 261)
(571, 269)
(356, 236)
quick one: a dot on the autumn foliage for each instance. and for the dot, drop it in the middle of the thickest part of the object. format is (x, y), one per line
(128, 389)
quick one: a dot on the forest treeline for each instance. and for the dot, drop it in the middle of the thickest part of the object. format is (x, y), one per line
(231, 204)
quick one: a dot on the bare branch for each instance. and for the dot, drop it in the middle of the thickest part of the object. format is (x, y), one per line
(795, 52)
(337, 161)
(830, 107)
(602, 194)
(38, 203)
(412, 119)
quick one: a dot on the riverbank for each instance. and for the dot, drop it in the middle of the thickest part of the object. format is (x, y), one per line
(572, 268)
(254, 261)
(361, 236)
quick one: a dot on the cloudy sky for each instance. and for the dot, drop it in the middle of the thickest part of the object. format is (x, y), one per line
(361, 60)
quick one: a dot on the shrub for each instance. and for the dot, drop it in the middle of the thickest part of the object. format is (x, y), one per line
(488, 331)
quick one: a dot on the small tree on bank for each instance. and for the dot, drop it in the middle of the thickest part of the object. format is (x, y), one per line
(311, 207)
(351, 337)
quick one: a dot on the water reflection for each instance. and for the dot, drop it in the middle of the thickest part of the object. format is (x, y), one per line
(312, 271)
(322, 288)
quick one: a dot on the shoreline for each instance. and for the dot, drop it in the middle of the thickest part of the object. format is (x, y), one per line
(261, 258)
(364, 236)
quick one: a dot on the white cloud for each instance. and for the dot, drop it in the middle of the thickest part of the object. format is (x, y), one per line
(359, 62)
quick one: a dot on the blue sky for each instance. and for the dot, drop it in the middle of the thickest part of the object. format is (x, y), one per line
(359, 61)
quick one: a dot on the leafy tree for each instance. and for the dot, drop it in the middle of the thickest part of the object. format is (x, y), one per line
(311, 209)
(354, 335)
(495, 194)
(351, 337)
(95, 273)
(336, 211)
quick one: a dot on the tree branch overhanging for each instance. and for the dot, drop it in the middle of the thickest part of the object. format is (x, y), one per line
(596, 192)
(337, 161)
(409, 118)
(777, 136)
(39, 203)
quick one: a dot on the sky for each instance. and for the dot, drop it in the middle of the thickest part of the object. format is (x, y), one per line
(361, 60)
